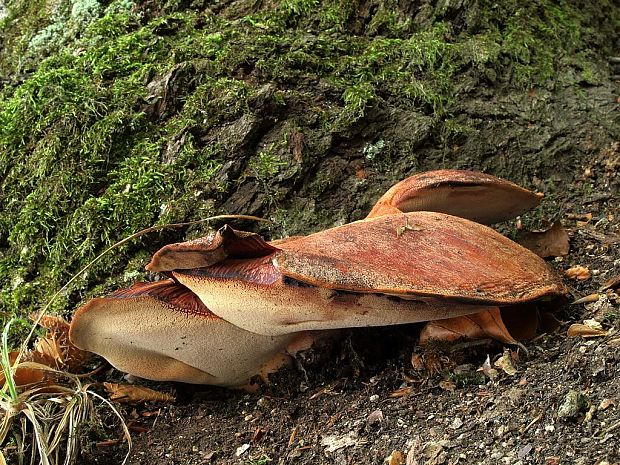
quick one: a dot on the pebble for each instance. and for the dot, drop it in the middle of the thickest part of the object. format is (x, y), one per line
(242, 449)
(573, 403)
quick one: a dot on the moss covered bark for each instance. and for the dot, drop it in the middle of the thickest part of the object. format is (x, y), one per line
(117, 116)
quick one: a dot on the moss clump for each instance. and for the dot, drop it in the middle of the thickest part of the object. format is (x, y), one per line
(117, 118)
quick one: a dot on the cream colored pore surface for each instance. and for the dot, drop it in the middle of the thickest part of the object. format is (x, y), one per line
(484, 204)
(278, 308)
(148, 338)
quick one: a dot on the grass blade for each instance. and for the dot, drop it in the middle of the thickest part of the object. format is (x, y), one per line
(37, 431)
(120, 417)
(9, 382)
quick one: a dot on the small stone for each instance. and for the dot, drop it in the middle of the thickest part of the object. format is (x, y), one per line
(374, 418)
(242, 449)
(524, 451)
(574, 402)
(374, 398)
(456, 423)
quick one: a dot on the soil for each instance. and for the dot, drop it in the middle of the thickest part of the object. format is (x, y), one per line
(362, 399)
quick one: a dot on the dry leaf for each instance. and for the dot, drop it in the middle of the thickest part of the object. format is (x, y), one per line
(24, 375)
(396, 458)
(481, 325)
(375, 417)
(132, 393)
(553, 242)
(611, 283)
(417, 362)
(56, 350)
(592, 323)
(578, 329)
(447, 386)
(293, 436)
(332, 443)
(505, 363)
(136, 428)
(587, 217)
(434, 453)
(414, 452)
(258, 435)
(587, 299)
(590, 414)
(581, 273)
(489, 371)
(108, 442)
(606, 403)
(51, 350)
(402, 392)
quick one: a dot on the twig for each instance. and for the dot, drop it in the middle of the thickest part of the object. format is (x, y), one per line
(533, 422)
(609, 429)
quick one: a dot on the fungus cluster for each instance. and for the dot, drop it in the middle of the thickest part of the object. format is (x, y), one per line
(233, 305)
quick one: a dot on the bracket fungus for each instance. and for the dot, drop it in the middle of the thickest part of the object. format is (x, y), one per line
(235, 305)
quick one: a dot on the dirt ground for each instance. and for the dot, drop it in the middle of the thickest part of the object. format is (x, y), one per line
(360, 400)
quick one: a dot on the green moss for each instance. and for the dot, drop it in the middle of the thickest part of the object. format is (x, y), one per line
(539, 38)
(265, 164)
(467, 379)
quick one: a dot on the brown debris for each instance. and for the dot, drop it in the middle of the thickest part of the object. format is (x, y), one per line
(582, 330)
(396, 458)
(584, 217)
(580, 273)
(447, 386)
(375, 417)
(402, 392)
(52, 350)
(486, 324)
(56, 350)
(505, 363)
(611, 283)
(131, 393)
(293, 436)
(552, 242)
(488, 370)
(417, 362)
(259, 433)
(606, 403)
(587, 299)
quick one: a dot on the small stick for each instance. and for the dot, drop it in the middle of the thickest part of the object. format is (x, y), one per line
(533, 422)
(293, 436)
